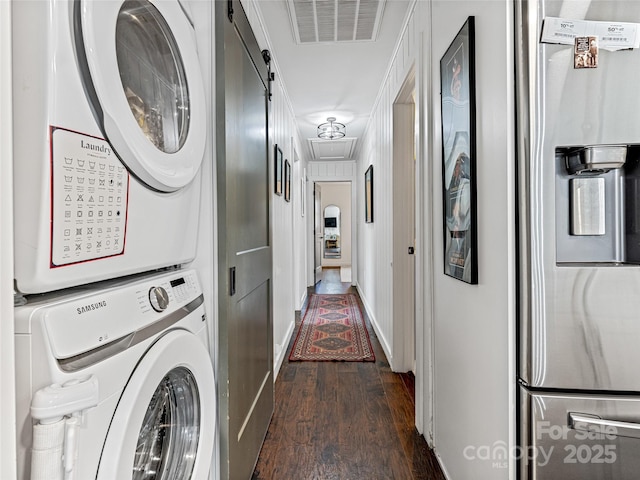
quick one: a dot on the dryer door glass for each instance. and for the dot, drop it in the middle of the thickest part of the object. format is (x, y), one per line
(168, 438)
(152, 75)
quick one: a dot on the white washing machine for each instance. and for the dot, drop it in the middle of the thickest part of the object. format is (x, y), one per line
(110, 129)
(116, 383)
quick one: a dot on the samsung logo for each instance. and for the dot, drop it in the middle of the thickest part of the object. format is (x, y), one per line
(91, 307)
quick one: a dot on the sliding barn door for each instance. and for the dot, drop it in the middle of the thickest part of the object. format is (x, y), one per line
(245, 279)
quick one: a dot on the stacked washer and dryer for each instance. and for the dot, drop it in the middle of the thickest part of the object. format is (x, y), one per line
(114, 376)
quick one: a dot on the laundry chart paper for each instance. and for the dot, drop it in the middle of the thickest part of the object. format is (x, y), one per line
(89, 192)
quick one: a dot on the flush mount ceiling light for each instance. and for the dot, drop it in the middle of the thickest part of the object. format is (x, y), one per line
(331, 130)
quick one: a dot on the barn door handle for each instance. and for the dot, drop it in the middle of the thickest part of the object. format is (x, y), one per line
(232, 281)
(230, 10)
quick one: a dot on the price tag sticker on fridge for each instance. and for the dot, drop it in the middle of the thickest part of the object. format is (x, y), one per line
(612, 35)
(89, 192)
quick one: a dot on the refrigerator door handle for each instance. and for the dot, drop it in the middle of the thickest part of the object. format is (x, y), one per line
(585, 422)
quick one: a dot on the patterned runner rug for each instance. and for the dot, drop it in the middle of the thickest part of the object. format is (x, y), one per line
(332, 329)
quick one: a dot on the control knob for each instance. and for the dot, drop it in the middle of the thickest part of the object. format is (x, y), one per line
(159, 298)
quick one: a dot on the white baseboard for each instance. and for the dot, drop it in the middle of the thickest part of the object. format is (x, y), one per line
(441, 463)
(280, 350)
(372, 318)
(302, 300)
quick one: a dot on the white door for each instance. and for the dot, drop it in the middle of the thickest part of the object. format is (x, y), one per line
(164, 425)
(142, 74)
(404, 233)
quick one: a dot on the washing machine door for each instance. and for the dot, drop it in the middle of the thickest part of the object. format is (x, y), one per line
(143, 78)
(164, 425)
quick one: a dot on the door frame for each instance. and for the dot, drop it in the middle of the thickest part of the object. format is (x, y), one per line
(346, 174)
(317, 225)
(404, 224)
(424, 224)
(425, 231)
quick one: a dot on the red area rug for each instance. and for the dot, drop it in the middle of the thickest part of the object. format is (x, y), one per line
(332, 330)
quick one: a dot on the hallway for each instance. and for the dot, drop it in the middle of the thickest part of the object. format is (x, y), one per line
(344, 420)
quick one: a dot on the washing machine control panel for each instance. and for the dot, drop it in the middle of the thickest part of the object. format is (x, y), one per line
(105, 317)
(178, 289)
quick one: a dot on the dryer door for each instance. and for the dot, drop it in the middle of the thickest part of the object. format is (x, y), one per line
(142, 75)
(164, 425)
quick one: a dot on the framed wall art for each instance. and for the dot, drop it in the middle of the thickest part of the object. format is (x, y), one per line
(287, 181)
(457, 84)
(368, 195)
(277, 168)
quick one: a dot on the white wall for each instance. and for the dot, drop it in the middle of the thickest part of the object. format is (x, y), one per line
(7, 363)
(470, 329)
(339, 194)
(282, 125)
(474, 396)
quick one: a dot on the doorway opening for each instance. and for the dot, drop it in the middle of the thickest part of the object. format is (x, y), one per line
(404, 228)
(331, 235)
(333, 228)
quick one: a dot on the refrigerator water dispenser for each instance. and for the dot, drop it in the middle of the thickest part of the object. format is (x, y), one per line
(594, 159)
(597, 203)
(587, 206)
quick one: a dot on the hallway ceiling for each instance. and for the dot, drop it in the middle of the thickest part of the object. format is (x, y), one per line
(323, 71)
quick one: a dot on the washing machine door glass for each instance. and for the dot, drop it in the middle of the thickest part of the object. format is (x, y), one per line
(163, 427)
(168, 439)
(152, 75)
(141, 71)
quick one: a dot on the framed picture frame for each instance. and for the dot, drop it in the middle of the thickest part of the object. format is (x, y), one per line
(287, 181)
(368, 195)
(459, 162)
(277, 168)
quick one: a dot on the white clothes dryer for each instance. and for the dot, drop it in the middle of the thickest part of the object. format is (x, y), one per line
(116, 383)
(110, 130)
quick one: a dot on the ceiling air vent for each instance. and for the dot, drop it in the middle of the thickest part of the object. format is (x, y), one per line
(332, 149)
(321, 21)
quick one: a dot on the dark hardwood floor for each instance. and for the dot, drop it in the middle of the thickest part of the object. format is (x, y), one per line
(344, 420)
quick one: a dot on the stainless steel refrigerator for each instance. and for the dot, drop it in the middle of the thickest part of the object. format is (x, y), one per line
(578, 113)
